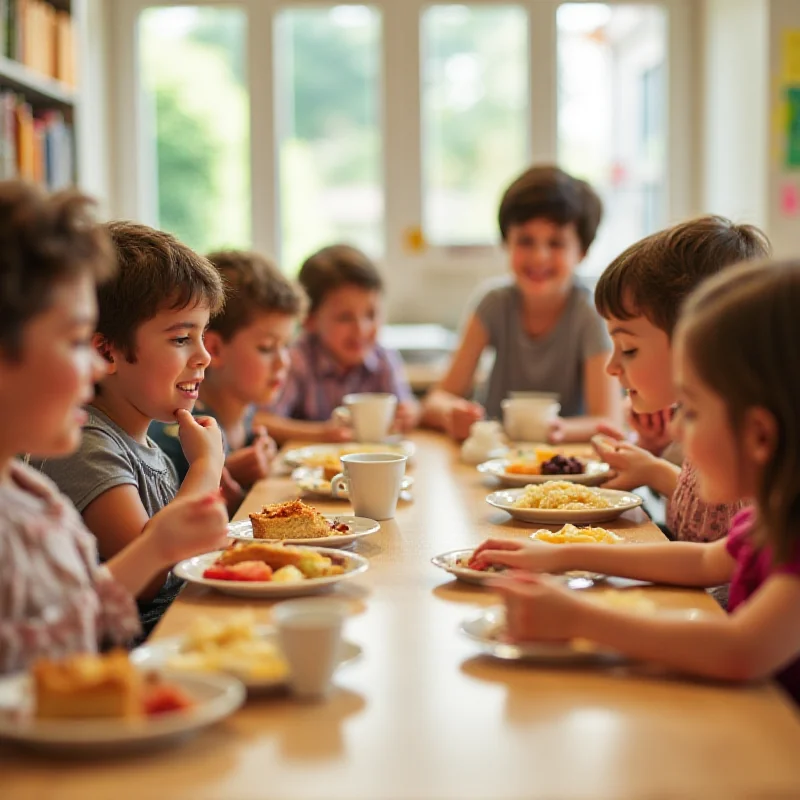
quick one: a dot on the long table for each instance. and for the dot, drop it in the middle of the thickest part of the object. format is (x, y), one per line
(423, 715)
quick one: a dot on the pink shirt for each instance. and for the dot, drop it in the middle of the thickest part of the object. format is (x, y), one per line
(753, 567)
(689, 518)
(55, 598)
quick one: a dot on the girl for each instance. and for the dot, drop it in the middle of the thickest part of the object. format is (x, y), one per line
(739, 424)
(54, 597)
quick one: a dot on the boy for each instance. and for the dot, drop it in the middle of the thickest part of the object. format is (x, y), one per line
(546, 335)
(338, 353)
(640, 296)
(152, 316)
(247, 343)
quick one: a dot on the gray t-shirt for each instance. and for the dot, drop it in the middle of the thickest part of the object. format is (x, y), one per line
(109, 457)
(550, 363)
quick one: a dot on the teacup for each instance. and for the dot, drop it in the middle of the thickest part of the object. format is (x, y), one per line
(369, 413)
(527, 419)
(372, 481)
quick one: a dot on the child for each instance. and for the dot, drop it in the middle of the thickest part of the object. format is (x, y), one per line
(546, 335)
(640, 295)
(152, 317)
(738, 382)
(338, 353)
(247, 343)
(54, 598)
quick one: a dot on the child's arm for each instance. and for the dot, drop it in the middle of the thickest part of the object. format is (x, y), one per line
(758, 639)
(677, 563)
(253, 463)
(284, 430)
(636, 467)
(445, 407)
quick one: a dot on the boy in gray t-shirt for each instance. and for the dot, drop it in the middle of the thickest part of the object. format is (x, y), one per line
(152, 316)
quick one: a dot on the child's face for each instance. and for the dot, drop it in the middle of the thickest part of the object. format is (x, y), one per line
(703, 429)
(254, 363)
(42, 394)
(641, 360)
(170, 363)
(543, 256)
(347, 323)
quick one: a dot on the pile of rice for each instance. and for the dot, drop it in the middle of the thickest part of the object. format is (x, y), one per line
(560, 495)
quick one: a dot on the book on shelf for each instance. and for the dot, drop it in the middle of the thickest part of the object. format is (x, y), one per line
(35, 145)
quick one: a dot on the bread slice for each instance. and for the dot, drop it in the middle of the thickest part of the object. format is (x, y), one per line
(291, 520)
(87, 686)
(311, 563)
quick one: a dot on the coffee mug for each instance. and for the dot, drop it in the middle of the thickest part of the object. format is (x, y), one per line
(369, 413)
(372, 482)
(527, 419)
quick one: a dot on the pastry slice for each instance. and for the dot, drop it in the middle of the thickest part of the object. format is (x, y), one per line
(291, 520)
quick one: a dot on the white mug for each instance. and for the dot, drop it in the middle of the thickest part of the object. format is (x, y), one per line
(372, 481)
(527, 419)
(369, 413)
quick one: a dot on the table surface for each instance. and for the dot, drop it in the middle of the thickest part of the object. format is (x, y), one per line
(423, 715)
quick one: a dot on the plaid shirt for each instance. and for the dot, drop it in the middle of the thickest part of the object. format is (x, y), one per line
(317, 384)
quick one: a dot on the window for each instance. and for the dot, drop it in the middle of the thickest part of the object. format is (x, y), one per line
(611, 112)
(475, 137)
(328, 117)
(196, 124)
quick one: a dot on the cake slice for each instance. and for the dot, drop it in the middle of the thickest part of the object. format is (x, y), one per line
(291, 520)
(87, 686)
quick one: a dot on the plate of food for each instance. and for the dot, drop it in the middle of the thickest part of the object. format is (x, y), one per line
(326, 456)
(545, 465)
(262, 569)
(557, 502)
(294, 522)
(571, 534)
(312, 480)
(235, 646)
(91, 704)
(456, 562)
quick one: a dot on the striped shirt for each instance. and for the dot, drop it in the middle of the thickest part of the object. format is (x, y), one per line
(317, 383)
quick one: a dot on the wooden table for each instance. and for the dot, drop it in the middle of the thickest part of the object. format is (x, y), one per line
(422, 714)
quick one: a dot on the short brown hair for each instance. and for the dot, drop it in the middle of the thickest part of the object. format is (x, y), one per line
(336, 266)
(253, 285)
(44, 240)
(156, 272)
(654, 276)
(739, 331)
(549, 192)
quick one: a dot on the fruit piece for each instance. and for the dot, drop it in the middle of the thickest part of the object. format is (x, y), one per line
(163, 698)
(243, 571)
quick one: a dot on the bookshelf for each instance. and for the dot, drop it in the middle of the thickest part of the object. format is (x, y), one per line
(37, 92)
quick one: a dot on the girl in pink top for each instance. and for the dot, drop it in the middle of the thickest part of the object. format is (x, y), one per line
(55, 598)
(739, 424)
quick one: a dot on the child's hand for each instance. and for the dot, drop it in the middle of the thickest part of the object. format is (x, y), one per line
(253, 463)
(633, 465)
(652, 430)
(534, 557)
(556, 431)
(406, 418)
(460, 417)
(188, 526)
(232, 492)
(537, 609)
(334, 431)
(200, 437)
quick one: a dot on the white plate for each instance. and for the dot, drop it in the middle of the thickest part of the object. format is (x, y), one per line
(300, 456)
(620, 502)
(312, 480)
(596, 472)
(359, 527)
(156, 654)
(192, 570)
(449, 563)
(215, 696)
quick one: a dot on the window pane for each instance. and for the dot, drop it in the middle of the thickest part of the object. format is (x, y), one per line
(197, 110)
(612, 115)
(474, 117)
(329, 130)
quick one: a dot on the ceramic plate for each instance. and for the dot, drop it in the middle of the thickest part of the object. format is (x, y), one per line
(596, 472)
(156, 655)
(301, 456)
(620, 502)
(312, 481)
(215, 696)
(192, 570)
(359, 527)
(578, 579)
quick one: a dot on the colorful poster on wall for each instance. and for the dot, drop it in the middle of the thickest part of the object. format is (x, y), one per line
(793, 127)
